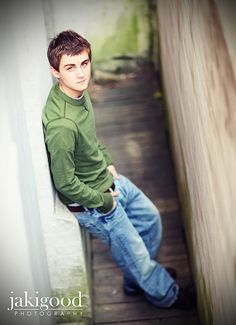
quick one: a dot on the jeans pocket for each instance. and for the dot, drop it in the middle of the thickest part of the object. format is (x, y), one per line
(121, 187)
(93, 226)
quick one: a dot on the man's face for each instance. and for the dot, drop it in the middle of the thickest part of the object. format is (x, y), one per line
(74, 74)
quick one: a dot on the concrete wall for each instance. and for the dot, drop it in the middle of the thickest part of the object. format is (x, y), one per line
(197, 40)
(41, 245)
(23, 258)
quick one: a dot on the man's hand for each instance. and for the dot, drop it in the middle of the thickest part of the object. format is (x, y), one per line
(113, 171)
(114, 194)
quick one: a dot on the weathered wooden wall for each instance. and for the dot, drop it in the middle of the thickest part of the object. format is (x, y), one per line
(198, 66)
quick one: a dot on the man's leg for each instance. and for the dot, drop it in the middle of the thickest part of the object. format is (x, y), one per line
(145, 218)
(142, 213)
(131, 254)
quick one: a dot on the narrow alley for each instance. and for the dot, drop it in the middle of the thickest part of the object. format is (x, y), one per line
(131, 122)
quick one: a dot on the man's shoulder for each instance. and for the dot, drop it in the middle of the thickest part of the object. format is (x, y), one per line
(63, 125)
(54, 109)
(87, 98)
(54, 106)
(53, 115)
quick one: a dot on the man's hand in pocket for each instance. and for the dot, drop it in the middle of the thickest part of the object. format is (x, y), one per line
(114, 194)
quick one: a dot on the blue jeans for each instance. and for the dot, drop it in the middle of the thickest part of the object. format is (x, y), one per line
(133, 231)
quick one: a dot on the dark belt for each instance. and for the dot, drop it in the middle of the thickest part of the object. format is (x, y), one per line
(80, 208)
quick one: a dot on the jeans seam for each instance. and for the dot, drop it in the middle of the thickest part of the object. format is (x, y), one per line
(147, 288)
(129, 255)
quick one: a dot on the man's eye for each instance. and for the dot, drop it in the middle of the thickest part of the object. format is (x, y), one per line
(70, 68)
(85, 63)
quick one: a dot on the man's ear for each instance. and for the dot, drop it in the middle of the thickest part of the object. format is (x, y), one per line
(55, 73)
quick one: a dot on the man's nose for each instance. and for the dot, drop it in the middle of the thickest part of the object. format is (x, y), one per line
(79, 73)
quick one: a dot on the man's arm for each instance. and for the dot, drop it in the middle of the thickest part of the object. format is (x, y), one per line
(109, 161)
(60, 139)
(106, 154)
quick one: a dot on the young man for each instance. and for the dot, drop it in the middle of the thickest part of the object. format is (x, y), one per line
(108, 204)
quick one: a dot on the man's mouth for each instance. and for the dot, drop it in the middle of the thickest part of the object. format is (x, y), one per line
(80, 82)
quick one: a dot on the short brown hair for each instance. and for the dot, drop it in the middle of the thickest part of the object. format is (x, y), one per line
(67, 42)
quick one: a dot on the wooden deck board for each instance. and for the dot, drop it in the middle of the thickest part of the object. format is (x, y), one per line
(131, 123)
(191, 319)
(138, 310)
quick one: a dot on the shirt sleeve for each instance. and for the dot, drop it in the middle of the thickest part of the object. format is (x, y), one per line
(106, 154)
(60, 138)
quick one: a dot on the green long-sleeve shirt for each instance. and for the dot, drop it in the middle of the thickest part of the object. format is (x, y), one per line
(78, 162)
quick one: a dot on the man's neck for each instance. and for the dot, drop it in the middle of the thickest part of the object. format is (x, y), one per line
(74, 95)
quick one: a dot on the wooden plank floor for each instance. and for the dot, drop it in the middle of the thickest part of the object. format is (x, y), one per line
(131, 123)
